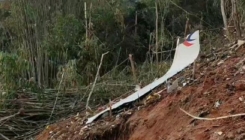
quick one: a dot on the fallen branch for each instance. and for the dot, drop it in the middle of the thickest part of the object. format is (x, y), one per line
(240, 43)
(211, 119)
(23, 125)
(57, 95)
(9, 117)
(4, 137)
(96, 77)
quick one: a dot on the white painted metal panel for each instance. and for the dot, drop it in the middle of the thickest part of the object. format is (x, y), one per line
(185, 54)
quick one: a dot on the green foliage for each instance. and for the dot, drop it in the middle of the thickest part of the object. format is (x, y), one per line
(70, 78)
(11, 69)
(88, 62)
(62, 41)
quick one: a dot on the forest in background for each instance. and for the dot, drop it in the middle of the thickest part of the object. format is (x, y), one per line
(50, 50)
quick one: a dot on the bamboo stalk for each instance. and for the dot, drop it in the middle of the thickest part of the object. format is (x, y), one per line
(110, 111)
(57, 95)
(132, 67)
(95, 80)
(86, 22)
(222, 5)
(162, 35)
(186, 27)
(236, 18)
(136, 23)
(156, 32)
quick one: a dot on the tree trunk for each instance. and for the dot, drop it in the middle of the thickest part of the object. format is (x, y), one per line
(222, 5)
(236, 18)
(156, 32)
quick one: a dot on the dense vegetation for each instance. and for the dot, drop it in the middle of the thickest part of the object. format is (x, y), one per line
(57, 44)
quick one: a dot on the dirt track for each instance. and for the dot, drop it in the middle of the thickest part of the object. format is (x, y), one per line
(218, 91)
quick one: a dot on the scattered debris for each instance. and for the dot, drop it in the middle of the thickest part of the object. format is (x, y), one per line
(219, 133)
(152, 98)
(241, 98)
(220, 62)
(137, 88)
(240, 43)
(217, 104)
(173, 87)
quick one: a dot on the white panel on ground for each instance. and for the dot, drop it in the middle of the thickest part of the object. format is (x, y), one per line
(185, 54)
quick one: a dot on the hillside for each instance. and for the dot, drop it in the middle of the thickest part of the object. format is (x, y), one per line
(218, 90)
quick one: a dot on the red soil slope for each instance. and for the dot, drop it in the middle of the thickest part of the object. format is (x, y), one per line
(219, 90)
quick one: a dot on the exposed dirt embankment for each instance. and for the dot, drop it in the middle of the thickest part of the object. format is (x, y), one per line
(219, 90)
